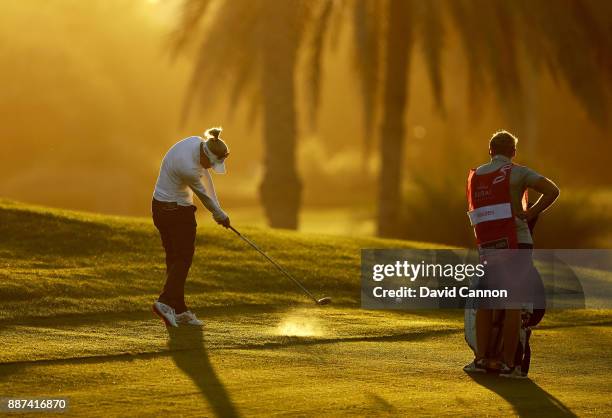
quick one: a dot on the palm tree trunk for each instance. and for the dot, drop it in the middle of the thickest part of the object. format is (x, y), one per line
(398, 39)
(281, 188)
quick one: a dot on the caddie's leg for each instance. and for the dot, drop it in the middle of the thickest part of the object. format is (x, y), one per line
(512, 327)
(484, 322)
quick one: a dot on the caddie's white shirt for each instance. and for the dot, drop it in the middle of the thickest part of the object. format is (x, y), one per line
(180, 176)
(520, 179)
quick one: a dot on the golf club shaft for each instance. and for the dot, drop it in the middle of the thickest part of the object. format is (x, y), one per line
(278, 266)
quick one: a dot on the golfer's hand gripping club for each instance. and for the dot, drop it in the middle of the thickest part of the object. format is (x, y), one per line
(225, 223)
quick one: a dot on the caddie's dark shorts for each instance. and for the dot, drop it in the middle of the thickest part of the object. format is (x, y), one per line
(511, 279)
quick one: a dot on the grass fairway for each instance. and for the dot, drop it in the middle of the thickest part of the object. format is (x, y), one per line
(75, 294)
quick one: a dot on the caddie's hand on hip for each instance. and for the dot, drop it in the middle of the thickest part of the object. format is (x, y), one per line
(527, 215)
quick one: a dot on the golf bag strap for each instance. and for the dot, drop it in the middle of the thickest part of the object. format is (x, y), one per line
(526, 361)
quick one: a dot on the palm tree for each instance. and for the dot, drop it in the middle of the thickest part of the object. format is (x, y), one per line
(256, 44)
(569, 38)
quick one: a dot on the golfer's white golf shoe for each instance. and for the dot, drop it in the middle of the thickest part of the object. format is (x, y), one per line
(166, 313)
(188, 318)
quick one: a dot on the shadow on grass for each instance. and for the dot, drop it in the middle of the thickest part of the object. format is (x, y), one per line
(93, 318)
(186, 345)
(527, 398)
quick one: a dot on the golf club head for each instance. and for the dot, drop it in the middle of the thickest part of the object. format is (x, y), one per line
(324, 301)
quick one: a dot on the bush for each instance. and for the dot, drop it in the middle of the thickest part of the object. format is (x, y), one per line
(437, 213)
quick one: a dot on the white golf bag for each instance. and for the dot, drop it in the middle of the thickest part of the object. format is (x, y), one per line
(529, 318)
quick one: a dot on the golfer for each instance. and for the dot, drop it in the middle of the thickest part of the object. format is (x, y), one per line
(184, 171)
(498, 212)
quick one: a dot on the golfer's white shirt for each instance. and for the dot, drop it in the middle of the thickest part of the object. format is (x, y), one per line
(181, 175)
(520, 179)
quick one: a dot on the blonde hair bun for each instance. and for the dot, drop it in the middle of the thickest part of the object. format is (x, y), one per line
(213, 133)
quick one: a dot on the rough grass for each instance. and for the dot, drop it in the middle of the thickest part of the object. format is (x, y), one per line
(59, 262)
(75, 292)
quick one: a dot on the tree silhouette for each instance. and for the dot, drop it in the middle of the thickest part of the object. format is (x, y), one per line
(572, 39)
(252, 46)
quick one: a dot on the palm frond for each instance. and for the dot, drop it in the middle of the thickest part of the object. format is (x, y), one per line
(192, 12)
(577, 35)
(367, 17)
(314, 46)
(338, 13)
(231, 40)
(431, 30)
(467, 27)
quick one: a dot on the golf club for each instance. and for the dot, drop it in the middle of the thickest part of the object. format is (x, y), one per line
(322, 301)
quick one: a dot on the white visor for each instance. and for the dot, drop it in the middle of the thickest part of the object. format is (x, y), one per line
(217, 164)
